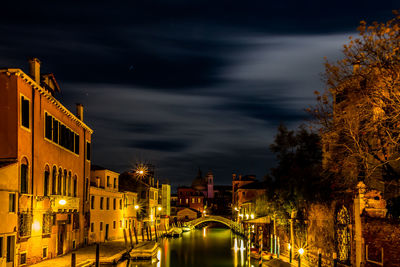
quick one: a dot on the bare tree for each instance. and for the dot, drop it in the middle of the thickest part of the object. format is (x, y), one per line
(358, 113)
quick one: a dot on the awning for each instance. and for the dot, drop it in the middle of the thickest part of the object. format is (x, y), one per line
(265, 219)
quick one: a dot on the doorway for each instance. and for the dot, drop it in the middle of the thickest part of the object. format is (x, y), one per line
(60, 239)
(10, 250)
(106, 233)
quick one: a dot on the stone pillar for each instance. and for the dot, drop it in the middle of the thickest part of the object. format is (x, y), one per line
(358, 209)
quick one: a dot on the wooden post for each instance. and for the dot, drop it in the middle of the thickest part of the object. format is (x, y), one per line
(130, 236)
(136, 238)
(126, 239)
(73, 259)
(319, 258)
(97, 254)
(260, 239)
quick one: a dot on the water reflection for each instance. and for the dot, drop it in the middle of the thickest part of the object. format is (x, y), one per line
(199, 248)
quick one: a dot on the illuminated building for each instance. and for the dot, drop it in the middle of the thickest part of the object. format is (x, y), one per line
(106, 206)
(45, 156)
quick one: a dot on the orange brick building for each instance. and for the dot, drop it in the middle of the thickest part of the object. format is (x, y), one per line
(45, 159)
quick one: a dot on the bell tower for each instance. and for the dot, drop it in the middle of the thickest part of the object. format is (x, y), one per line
(210, 184)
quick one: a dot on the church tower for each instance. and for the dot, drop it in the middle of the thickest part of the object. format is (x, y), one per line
(210, 184)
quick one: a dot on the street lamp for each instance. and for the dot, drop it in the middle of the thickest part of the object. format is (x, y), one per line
(136, 207)
(290, 252)
(301, 252)
(252, 216)
(62, 202)
(159, 208)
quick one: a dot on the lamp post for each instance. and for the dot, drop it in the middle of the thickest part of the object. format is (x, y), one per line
(301, 252)
(290, 253)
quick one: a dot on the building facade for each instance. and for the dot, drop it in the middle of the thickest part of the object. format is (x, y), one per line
(106, 206)
(46, 183)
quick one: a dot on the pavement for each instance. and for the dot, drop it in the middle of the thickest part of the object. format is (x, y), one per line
(86, 255)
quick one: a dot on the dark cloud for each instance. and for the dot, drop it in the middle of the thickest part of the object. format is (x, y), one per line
(158, 145)
(184, 83)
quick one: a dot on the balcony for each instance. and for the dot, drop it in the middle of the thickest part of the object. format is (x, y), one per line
(64, 203)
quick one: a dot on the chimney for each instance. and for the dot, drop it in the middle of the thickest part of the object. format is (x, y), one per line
(34, 69)
(79, 111)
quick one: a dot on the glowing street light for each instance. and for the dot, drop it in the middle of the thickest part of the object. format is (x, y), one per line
(159, 208)
(136, 207)
(62, 202)
(252, 216)
(301, 252)
(247, 216)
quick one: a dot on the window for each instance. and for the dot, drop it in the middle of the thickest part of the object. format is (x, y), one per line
(193, 200)
(74, 186)
(44, 254)
(25, 224)
(11, 202)
(69, 184)
(86, 188)
(1, 246)
(92, 227)
(101, 202)
(108, 203)
(65, 183)
(24, 178)
(151, 195)
(59, 182)
(46, 183)
(55, 128)
(88, 154)
(25, 116)
(115, 182)
(10, 248)
(114, 204)
(22, 258)
(114, 224)
(48, 128)
(198, 200)
(108, 181)
(187, 201)
(92, 202)
(47, 223)
(60, 134)
(101, 226)
(120, 204)
(75, 222)
(54, 181)
(120, 223)
(76, 150)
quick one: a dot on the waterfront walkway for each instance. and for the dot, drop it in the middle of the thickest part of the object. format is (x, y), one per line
(86, 256)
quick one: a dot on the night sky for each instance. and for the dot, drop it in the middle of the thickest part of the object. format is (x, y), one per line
(187, 83)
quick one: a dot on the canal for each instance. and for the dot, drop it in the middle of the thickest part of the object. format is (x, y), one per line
(205, 247)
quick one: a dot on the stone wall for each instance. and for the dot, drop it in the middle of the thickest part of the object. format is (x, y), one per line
(381, 233)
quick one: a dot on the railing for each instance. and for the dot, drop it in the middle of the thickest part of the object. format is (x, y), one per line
(212, 218)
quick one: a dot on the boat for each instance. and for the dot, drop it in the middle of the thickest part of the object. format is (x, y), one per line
(144, 251)
(185, 228)
(174, 232)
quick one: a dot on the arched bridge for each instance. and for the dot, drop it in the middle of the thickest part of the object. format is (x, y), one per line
(212, 218)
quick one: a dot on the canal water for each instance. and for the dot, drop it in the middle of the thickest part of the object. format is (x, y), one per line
(207, 247)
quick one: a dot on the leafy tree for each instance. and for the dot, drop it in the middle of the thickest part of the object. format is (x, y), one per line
(358, 114)
(297, 179)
